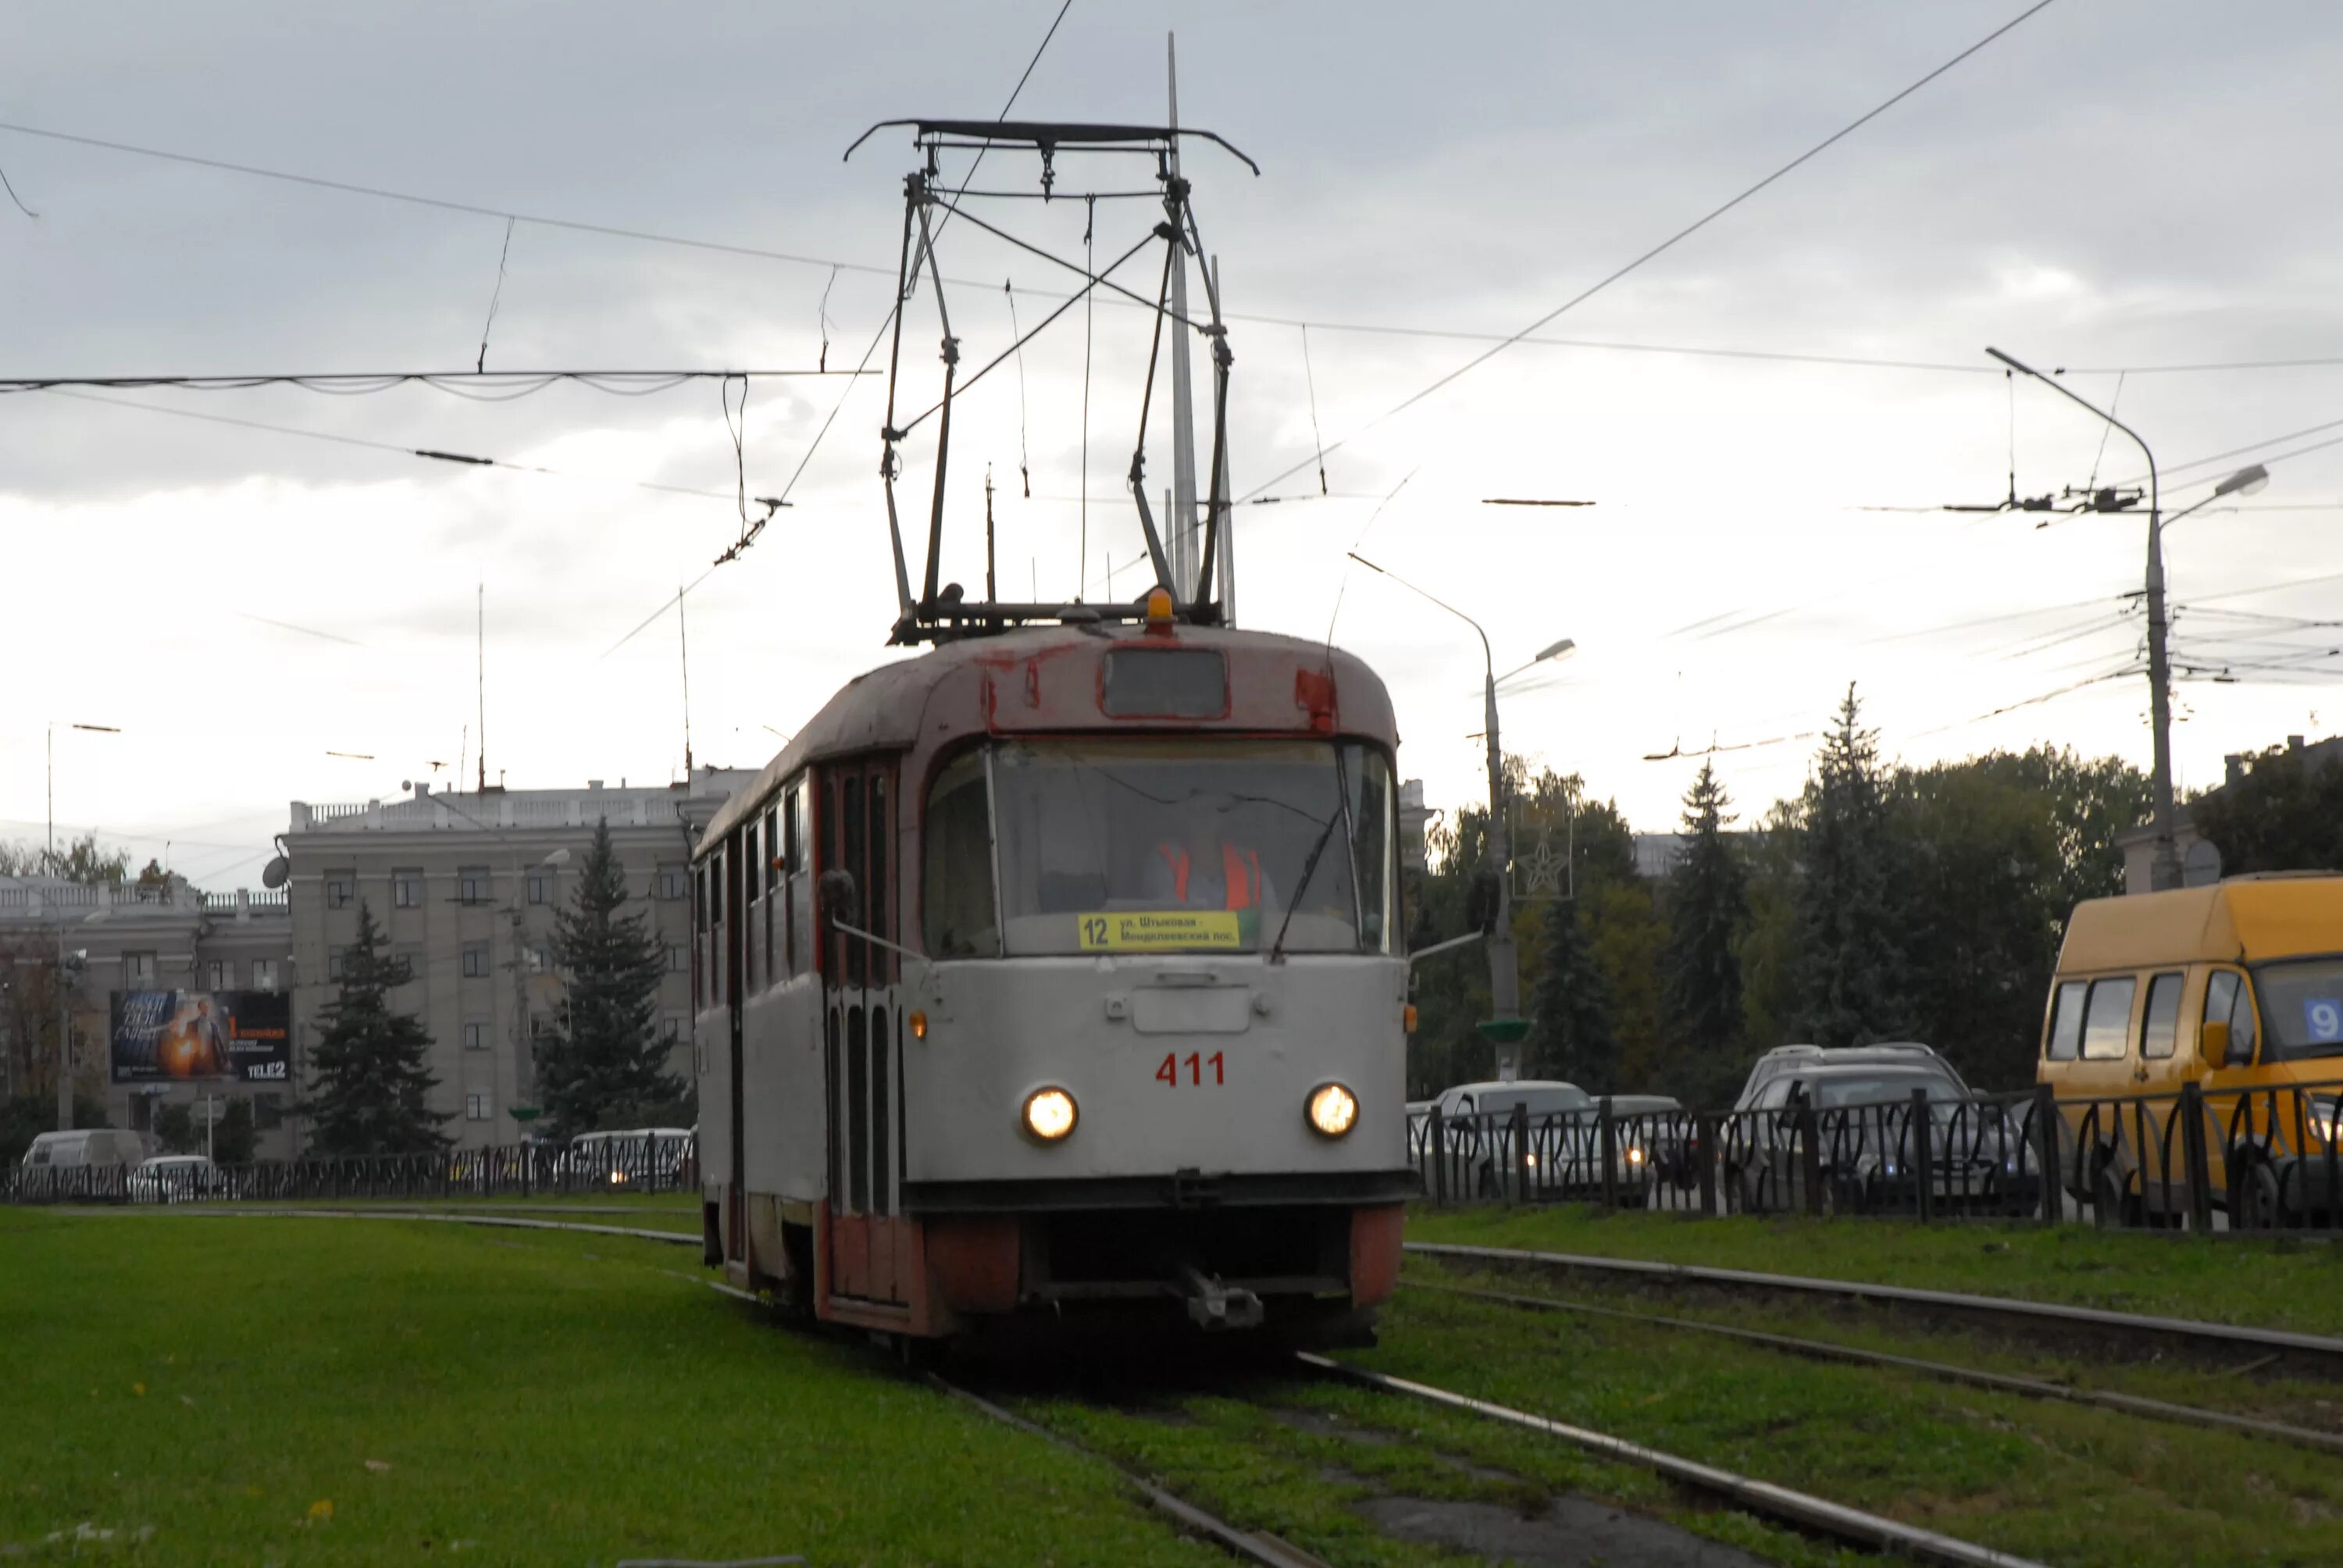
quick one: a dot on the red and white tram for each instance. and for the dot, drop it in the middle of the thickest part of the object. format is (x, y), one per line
(1062, 971)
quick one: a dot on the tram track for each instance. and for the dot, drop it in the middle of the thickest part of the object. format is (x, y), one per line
(1809, 1514)
(2107, 1329)
(1946, 1372)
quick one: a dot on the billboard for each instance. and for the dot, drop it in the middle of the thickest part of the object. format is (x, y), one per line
(165, 1036)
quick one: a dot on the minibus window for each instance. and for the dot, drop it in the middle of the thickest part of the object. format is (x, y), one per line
(2227, 1001)
(2304, 1000)
(2106, 1026)
(2161, 1033)
(2065, 1022)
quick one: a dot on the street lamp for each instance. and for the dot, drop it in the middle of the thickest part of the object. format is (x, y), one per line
(92, 729)
(2165, 869)
(1505, 1027)
(1562, 649)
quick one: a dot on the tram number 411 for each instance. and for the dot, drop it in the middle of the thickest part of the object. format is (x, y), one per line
(1197, 1065)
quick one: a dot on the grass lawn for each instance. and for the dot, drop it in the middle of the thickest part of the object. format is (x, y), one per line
(267, 1390)
(2284, 1282)
(2060, 1483)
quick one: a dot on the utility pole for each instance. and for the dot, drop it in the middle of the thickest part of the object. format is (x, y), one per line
(64, 1038)
(2164, 870)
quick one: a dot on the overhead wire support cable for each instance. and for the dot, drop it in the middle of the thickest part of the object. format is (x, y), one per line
(1670, 241)
(496, 385)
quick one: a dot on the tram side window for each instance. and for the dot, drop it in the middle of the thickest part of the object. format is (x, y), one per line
(717, 981)
(700, 936)
(956, 899)
(752, 893)
(769, 868)
(798, 902)
(874, 901)
(850, 855)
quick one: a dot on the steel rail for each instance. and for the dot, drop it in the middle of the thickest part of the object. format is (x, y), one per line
(1801, 1509)
(1947, 1371)
(2238, 1335)
(225, 1211)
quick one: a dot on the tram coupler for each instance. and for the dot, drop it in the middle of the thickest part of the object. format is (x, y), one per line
(1214, 1306)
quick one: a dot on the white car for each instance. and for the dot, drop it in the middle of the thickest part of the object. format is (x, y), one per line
(174, 1179)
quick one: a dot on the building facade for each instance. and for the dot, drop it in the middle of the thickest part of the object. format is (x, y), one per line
(463, 887)
(134, 937)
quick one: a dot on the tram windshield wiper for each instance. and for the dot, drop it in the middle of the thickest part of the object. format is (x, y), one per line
(1342, 813)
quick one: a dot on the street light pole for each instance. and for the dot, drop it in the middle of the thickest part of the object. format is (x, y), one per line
(2165, 869)
(1505, 1027)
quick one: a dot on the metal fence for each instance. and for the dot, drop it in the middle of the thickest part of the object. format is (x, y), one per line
(621, 1165)
(2228, 1159)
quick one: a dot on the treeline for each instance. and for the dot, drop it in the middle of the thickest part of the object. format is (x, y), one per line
(1881, 903)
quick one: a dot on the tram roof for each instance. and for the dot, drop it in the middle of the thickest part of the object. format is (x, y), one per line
(1047, 679)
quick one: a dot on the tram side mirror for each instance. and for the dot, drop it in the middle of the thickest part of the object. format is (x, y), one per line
(839, 901)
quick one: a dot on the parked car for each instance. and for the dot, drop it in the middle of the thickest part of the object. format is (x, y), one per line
(92, 1146)
(644, 1159)
(1867, 1138)
(1792, 1059)
(1477, 1123)
(87, 1162)
(177, 1178)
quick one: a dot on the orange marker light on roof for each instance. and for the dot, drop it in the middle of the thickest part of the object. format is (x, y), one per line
(1159, 611)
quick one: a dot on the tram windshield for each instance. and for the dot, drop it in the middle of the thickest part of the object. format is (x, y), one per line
(1160, 846)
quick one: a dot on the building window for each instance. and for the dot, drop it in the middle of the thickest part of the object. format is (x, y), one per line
(477, 1108)
(674, 881)
(341, 889)
(678, 959)
(407, 889)
(472, 885)
(540, 886)
(137, 970)
(335, 957)
(263, 974)
(671, 1029)
(220, 974)
(408, 958)
(541, 960)
(475, 1033)
(476, 961)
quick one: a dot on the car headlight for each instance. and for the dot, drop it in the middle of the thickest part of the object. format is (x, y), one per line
(1333, 1110)
(1634, 1155)
(1050, 1114)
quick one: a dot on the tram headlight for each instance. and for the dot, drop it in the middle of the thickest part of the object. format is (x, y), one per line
(1333, 1110)
(1050, 1114)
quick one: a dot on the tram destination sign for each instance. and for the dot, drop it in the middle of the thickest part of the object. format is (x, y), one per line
(1162, 930)
(164, 1036)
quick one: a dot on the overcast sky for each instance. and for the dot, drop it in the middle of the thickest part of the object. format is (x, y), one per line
(2138, 185)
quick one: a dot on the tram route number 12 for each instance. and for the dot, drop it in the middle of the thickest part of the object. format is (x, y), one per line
(1196, 1063)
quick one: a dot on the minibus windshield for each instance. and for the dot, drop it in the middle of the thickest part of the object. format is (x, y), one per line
(1191, 845)
(2302, 1008)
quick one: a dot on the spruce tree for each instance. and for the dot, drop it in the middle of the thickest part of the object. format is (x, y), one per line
(1574, 1036)
(1850, 923)
(605, 1060)
(1709, 908)
(371, 1090)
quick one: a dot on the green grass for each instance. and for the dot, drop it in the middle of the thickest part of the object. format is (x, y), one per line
(1230, 1449)
(2060, 1483)
(2284, 1283)
(269, 1390)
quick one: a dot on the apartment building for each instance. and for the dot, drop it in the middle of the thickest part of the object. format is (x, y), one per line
(132, 937)
(464, 886)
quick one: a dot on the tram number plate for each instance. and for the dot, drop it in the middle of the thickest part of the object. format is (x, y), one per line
(1157, 931)
(1200, 1070)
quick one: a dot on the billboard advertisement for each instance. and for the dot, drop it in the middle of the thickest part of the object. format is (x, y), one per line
(169, 1036)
